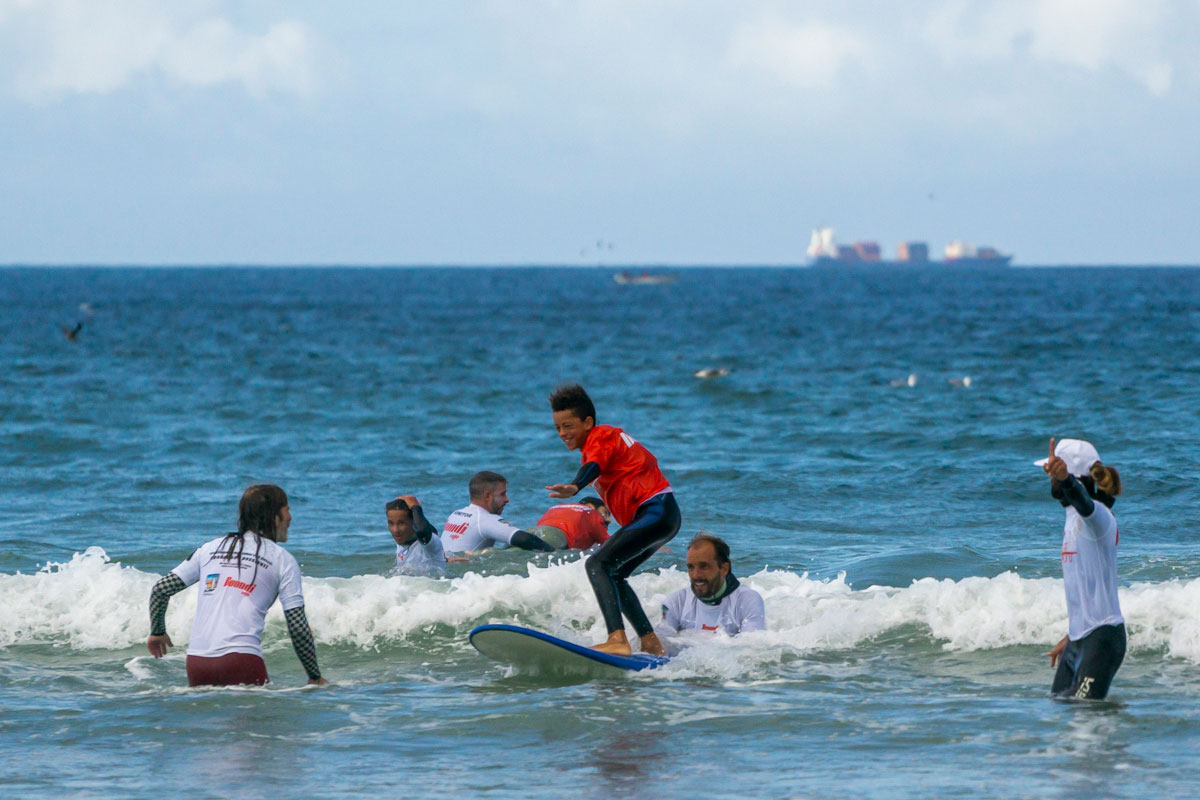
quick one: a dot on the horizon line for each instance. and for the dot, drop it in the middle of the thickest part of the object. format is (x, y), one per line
(853, 267)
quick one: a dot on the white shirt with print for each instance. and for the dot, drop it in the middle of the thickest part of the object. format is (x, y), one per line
(415, 558)
(236, 593)
(1089, 563)
(474, 528)
(739, 611)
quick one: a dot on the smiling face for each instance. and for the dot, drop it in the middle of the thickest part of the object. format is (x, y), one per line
(572, 430)
(400, 525)
(704, 571)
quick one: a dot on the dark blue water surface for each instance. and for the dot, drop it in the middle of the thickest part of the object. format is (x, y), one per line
(905, 543)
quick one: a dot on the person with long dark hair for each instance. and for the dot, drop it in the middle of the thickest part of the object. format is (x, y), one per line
(1092, 651)
(243, 572)
(628, 480)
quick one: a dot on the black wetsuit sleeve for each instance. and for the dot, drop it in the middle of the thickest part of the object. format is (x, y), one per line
(527, 541)
(587, 473)
(421, 526)
(1077, 496)
(160, 596)
(302, 641)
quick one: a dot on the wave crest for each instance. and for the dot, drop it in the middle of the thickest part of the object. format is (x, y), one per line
(91, 603)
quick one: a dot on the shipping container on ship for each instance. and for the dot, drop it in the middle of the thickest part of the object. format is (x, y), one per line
(824, 251)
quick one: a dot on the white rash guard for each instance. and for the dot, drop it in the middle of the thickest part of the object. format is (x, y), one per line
(474, 528)
(232, 607)
(739, 611)
(415, 558)
(1089, 563)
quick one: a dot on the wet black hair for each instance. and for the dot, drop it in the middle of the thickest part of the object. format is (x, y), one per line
(572, 397)
(719, 545)
(258, 509)
(594, 502)
(397, 505)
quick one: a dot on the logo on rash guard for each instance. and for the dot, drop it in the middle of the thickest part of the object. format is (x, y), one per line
(246, 588)
(211, 581)
(704, 627)
(457, 530)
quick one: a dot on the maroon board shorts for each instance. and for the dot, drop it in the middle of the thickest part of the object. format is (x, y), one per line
(230, 669)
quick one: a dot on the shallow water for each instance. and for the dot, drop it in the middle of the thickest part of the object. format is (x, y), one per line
(904, 543)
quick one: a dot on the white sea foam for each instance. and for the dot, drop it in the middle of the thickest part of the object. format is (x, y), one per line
(90, 603)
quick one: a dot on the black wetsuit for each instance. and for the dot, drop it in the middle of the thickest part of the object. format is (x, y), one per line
(1086, 668)
(656, 522)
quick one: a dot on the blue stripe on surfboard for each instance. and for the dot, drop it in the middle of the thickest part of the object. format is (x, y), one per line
(635, 662)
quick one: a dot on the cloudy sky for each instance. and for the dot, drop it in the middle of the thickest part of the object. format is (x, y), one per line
(202, 131)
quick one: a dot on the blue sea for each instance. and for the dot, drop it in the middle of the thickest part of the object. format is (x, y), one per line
(905, 544)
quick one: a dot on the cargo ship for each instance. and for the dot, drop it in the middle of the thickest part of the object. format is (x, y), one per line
(824, 251)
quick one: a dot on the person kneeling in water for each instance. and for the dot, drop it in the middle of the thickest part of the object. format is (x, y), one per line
(1092, 651)
(226, 644)
(715, 600)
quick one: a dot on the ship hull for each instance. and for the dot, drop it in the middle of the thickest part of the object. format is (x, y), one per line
(950, 263)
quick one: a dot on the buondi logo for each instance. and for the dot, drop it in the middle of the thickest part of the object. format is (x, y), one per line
(210, 582)
(246, 588)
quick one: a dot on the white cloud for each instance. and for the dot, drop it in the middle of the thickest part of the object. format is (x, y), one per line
(77, 46)
(807, 56)
(1131, 36)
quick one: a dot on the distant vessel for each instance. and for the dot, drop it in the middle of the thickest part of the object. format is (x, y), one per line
(823, 251)
(644, 278)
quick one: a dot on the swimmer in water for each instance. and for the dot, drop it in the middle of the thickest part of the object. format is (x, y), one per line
(243, 573)
(627, 477)
(1092, 651)
(715, 600)
(418, 547)
(477, 526)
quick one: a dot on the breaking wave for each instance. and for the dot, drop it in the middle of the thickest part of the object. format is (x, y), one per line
(91, 603)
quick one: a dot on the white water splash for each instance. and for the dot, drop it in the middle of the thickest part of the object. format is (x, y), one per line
(91, 603)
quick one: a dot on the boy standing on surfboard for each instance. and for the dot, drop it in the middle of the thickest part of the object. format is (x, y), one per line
(627, 477)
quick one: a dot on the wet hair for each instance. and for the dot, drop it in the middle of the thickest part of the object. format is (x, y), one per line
(594, 502)
(258, 509)
(572, 397)
(398, 505)
(717, 542)
(1107, 479)
(483, 482)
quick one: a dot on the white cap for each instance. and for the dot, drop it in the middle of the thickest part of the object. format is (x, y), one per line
(1078, 454)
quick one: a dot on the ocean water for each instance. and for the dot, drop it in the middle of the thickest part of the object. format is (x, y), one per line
(905, 545)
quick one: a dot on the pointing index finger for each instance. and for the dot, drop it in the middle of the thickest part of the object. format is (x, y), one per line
(1052, 447)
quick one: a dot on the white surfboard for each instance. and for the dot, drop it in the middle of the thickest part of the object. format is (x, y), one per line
(537, 653)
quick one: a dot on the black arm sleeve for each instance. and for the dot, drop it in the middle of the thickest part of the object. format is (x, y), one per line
(587, 473)
(425, 532)
(1077, 496)
(527, 541)
(160, 596)
(302, 641)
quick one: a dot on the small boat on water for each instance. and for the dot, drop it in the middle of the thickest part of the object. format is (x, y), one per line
(643, 278)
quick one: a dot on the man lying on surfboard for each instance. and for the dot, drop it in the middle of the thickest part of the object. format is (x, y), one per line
(627, 478)
(714, 600)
